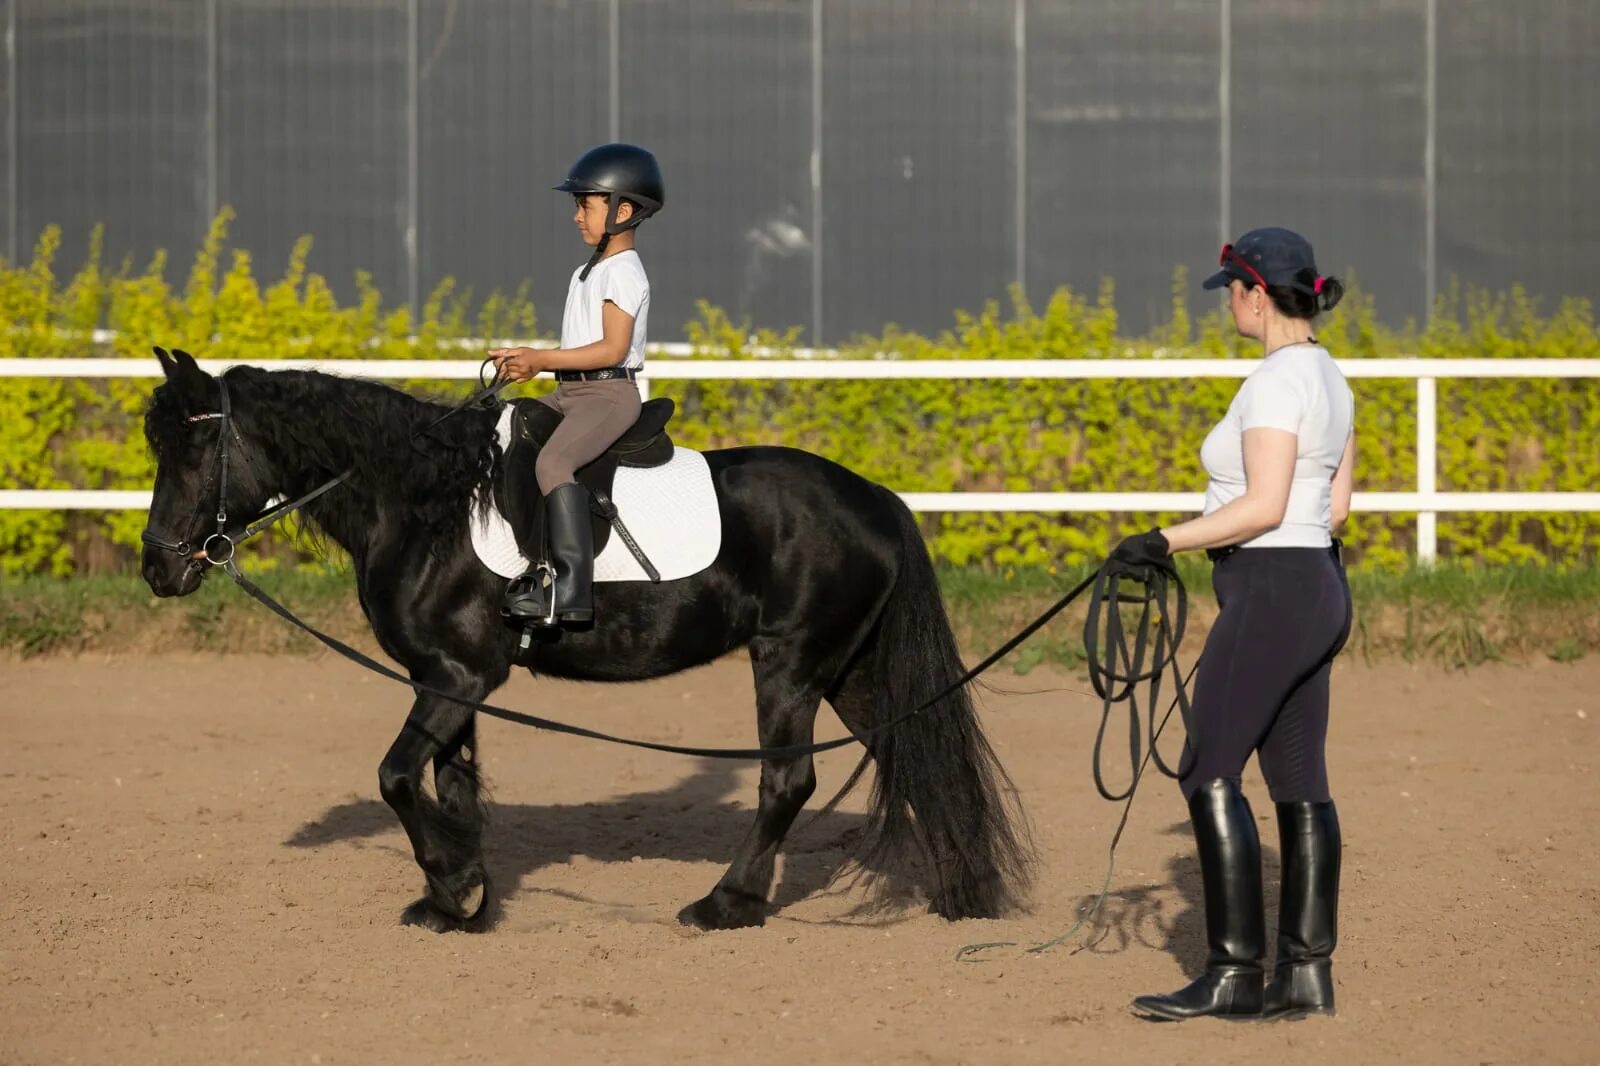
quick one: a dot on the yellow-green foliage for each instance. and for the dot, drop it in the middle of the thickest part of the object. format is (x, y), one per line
(910, 435)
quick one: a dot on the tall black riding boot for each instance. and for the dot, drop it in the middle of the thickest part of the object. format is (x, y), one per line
(1308, 912)
(571, 552)
(1230, 866)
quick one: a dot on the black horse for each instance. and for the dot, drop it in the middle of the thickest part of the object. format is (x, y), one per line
(822, 575)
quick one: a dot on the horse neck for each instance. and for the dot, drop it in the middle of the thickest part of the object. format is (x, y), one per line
(315, 427)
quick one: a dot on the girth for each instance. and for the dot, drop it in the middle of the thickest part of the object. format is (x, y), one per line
(644, 445)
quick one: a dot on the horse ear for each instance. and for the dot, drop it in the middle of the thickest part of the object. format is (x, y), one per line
(195, 384)
(167, 365)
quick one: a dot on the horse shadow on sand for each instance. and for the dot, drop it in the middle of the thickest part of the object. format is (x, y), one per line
(1143, 915)
(695, 819)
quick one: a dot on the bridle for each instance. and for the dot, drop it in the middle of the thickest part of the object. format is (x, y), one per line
(219, 547)
(206, 555)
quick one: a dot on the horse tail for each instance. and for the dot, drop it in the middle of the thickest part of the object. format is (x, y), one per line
(940, 789)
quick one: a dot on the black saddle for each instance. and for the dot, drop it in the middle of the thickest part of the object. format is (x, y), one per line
(517, 493)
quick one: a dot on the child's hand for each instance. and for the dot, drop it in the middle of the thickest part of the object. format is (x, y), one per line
(517, 364)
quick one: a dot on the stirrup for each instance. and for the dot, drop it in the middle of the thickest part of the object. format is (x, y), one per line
(548, 569)
(539, 580)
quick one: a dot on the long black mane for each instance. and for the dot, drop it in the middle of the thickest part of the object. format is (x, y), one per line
(308, 426)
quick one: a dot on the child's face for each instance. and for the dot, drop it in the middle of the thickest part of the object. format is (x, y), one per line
(590, 217)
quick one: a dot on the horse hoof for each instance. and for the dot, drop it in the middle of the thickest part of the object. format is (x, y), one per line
(423, 913)
(464, 906)
(724, 910)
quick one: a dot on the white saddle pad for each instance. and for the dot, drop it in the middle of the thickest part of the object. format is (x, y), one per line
(671, 510)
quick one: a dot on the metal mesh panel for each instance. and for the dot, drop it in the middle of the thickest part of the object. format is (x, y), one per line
(312, 134)
(1122, 148)
(510, 92)
(8, 190)
(1329, 122)
(950, 160)
(720, 90)
(1519, 157)
(918, 165)
(110, 125)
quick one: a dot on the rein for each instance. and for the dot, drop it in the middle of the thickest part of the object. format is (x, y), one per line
(791, 751)
(1108, 675)
(1115, 671)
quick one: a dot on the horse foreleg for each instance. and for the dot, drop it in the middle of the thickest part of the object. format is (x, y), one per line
(446, 834)
(459, 789)
(786, 714)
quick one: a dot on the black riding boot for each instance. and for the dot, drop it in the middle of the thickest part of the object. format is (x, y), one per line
(1230, 866)
(570, 541)
(571, 552)
(1308, 911)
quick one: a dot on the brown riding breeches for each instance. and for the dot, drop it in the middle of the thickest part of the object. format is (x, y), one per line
(594, 415)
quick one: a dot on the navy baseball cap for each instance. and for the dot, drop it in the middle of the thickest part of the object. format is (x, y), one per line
(1268, 257)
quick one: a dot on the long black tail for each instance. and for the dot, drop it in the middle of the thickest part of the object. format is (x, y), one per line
(939, 789)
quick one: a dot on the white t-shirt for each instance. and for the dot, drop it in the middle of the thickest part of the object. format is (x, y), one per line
(619, 278)
(1297, 388)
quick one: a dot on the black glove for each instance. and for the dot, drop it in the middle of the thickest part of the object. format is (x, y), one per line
(1137, 554)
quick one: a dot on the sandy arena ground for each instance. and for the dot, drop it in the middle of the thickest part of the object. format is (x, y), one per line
(199, 869)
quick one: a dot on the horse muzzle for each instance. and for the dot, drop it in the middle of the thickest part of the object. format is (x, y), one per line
(171, 574)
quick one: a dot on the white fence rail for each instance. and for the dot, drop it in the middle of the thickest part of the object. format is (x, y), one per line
(1426, 501)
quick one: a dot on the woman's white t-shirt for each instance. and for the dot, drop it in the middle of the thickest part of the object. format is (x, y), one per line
(619, 278)
(1300, 389)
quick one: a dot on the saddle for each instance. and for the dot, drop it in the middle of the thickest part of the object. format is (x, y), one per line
(516, 492)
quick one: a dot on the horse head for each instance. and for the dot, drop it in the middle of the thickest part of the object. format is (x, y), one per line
(200, 477)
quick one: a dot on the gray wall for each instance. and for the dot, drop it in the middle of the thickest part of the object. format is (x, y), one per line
(833, 164)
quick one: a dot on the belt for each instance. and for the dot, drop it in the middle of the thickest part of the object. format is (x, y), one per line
(1336, 549)
(610, 373)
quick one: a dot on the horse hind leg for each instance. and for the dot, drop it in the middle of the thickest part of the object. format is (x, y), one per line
(787, 698)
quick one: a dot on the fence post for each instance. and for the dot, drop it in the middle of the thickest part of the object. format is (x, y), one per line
(1427, 467)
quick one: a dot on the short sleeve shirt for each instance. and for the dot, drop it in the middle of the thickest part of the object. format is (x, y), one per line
(1300, 390)
(620, 279)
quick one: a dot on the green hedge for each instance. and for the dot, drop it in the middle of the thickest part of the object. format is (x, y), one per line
(911, 435)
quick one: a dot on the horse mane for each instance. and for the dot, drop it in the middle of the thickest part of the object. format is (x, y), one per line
(313, 425)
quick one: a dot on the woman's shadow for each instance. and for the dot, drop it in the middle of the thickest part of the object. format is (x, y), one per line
(1144, 915)
(693, 820)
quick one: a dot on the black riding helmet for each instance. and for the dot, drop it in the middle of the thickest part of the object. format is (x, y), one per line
(618, 172)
